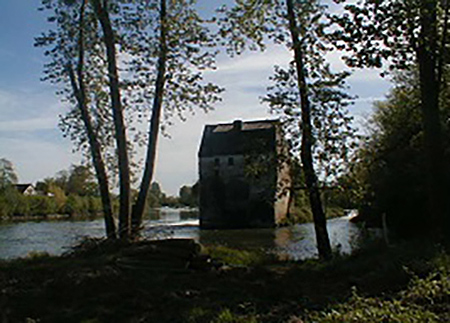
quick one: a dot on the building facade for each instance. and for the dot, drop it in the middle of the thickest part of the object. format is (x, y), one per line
(242, 178)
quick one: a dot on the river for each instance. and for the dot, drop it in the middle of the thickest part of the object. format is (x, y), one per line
(18, 239)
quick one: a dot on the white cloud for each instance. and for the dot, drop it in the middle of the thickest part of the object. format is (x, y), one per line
(29, 103)
(370, 99)
(254, 61)
(29, 124)
(29, 135)
(36, 159)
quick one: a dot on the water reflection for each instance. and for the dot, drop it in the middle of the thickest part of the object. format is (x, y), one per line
(296, 242)
(241, 239)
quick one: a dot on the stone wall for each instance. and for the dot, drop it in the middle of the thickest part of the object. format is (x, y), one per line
(230, 199)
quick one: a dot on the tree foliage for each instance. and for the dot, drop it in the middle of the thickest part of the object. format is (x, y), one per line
(132, 59)
(391, 163)
(188, 195)
(402, 35)
(81, 182)
(8, 174)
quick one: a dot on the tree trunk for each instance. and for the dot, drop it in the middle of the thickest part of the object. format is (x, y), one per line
(119, 124)
(429, 93)
(80, 95)
(139, 206)
(320, 223)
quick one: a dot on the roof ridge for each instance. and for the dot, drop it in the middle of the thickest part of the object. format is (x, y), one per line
(230, 123)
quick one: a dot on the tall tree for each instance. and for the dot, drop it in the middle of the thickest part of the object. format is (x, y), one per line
(139, 206)
(179, 48)
(308, 83)
(101, 9)
(68, 42)
(400, 34)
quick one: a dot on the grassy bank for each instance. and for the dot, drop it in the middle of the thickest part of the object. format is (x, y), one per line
(404, 283)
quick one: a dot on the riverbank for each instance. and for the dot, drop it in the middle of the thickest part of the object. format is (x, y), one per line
(407, 282)
(88, 215)
(49, 217)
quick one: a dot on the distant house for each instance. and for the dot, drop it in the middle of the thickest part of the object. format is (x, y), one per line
(242, 176)
(26, 189)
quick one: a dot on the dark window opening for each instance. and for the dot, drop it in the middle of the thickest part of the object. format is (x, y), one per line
(216, 162)
(230, 161)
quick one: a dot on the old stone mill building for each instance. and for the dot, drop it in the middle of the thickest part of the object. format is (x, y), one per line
(241, 175)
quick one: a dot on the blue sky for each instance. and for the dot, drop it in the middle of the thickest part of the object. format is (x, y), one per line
(29, 136)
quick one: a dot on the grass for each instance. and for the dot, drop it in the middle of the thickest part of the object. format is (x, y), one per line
(236, 257)
(408, 282)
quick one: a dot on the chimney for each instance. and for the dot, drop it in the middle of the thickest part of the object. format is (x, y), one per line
(237, 125)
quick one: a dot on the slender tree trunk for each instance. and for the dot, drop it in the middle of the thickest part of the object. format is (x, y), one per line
(429, 92)
(139, 206)
(119, 124)
(320, 223)
(80, 95)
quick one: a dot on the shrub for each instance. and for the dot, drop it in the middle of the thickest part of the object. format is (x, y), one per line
(41, 205)
(94, 204)
(74, 205)
(6, 209)
(374, 310)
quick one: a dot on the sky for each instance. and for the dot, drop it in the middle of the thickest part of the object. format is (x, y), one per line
(29, 108)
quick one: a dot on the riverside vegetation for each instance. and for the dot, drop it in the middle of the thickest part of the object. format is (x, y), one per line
(409, 282)
(72, 193)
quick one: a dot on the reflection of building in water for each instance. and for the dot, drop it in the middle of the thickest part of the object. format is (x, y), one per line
(283, 238)
(242, 239)
(241, 174)
(188, 214)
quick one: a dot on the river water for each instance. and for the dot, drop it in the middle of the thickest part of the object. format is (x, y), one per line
(18, 239)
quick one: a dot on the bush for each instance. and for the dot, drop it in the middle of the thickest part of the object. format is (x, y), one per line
(9, 199)
(392, 163)
(75, 205)
(41, 205)
(94, 204)
(374, 310)
(421, 301)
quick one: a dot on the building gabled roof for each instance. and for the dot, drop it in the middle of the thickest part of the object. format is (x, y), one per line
(22, 187)
(239, 138)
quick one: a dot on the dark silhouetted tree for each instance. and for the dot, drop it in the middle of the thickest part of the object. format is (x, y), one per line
(310, 98)
(402, 35)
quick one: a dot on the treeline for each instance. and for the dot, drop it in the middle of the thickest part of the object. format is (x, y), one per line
(188, 197)
(73, 193)
(15, 204)
(389, 176)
